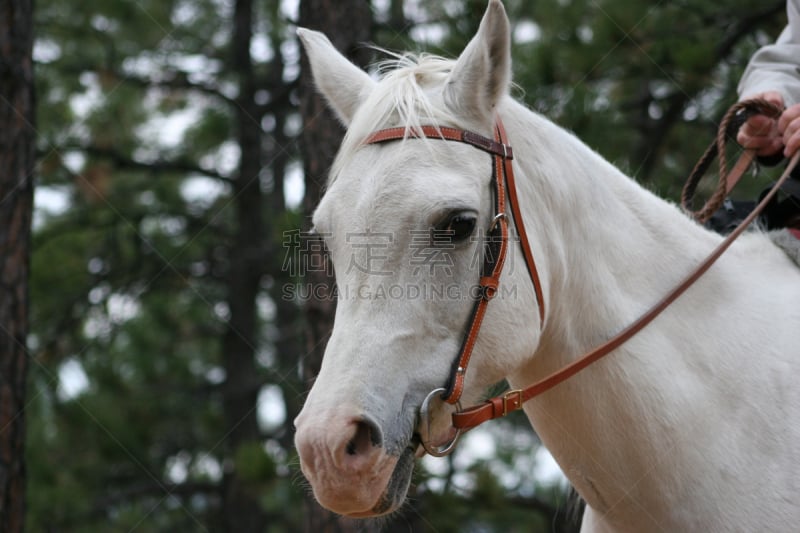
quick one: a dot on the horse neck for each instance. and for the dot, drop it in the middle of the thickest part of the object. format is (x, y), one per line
(654, 420)
(607, 250)
(601, 239)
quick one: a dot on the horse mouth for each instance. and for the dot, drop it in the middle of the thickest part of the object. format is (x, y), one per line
(396, 489)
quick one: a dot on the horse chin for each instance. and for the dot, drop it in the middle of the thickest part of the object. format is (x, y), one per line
(396, 489)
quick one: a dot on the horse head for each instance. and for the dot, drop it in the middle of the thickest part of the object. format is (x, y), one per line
(403, 223)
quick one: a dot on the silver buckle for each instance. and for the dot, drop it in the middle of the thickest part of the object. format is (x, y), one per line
(425, 427)
(495, 220)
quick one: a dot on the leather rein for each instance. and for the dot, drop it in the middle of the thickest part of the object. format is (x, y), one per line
(505, 194)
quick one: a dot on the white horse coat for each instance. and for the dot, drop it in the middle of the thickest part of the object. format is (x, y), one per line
(693, 425)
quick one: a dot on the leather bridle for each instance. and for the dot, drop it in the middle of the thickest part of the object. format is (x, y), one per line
(496, 238)
(495, 251)
(504, 189)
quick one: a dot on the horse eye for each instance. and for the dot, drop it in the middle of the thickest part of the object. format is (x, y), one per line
(457, 227)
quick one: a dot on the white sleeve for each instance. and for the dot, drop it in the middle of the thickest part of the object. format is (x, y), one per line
(776, 67)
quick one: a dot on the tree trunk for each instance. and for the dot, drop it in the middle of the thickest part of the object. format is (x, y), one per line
(16, 203)
(348, 24)
(241, 510)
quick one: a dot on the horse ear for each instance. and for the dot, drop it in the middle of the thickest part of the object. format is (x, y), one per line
(481, 76)
(342, 83)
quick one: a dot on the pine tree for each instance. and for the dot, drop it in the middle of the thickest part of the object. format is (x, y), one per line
(17, 132)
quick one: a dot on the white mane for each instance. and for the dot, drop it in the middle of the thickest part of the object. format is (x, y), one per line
(402, 97)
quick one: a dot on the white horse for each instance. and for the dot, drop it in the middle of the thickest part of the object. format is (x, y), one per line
(693, 425)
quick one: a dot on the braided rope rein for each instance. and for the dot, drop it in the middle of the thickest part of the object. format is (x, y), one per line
(730, 124)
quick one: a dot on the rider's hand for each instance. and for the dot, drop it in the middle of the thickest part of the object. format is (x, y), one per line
(789, 128)
(763, 134)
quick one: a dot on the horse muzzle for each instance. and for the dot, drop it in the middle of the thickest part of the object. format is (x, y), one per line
(347, 464)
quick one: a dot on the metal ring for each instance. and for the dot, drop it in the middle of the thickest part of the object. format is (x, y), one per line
(425, 427)
(495, 220)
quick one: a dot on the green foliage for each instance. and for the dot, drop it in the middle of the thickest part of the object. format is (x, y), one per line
(255, 462)
(491, 505)
(658, 75)
(209, 132)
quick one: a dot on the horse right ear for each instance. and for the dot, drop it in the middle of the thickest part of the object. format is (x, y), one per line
(482, 73)
(344, 85)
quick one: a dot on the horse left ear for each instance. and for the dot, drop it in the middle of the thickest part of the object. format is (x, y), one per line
(482, 73)
(344, 85)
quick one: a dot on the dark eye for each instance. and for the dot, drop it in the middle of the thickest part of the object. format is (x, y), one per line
(455, 228)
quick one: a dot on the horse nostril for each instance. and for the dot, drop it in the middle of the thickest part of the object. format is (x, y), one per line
(367, 435)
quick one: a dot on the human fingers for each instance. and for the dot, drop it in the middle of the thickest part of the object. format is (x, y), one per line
(757, 123)
(759, 126)
(791, 138)
(764, 146)
(789, 129)
(790, 114)
(760, 133)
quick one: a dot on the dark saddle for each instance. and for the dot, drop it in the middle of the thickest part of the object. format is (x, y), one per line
(782, 212)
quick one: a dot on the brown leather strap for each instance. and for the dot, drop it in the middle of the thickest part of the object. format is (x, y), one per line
(513, 400)
(489, 281)
(738, 170)
(445, 133)
(513, 202)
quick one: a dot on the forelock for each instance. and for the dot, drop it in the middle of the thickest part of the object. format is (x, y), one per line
(402, 97)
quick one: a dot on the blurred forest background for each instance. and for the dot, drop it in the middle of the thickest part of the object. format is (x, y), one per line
(180, 150)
